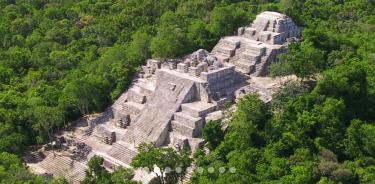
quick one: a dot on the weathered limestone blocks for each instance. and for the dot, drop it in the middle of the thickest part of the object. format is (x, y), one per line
(197, 57)
(183, 67)
(184, 130)
(122, 153)
(193, 71)
(151, 67)
(170, 64)
(180, 143)
(219, 81)
(257, 43)
(194, 65)
(123, 121)
(198, 62)
(135, 95)
(214, 116)
(271, 27)
(152, 123)
(132, 108)
(226, 47)
(188, 120)
(212, 76)
(198, 109)
(106, 136)
(145, 88)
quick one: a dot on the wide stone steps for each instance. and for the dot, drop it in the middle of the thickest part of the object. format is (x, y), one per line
(222, 57)
(188, 120)
(251, 48)
(224, 50)
(122, 153)
(188, 175)
(63, 166)
(135, 136)
(227, 42)
(198, 109)
(244, 65)
(258, 69)
(145, 87)
(251, 57)
(184, 130)
(225, 47)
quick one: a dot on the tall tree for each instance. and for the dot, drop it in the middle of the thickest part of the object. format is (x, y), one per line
(47, 119)
(302, 59)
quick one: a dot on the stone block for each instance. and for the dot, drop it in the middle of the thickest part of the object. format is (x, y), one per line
(188, 120)
(156, 64)
(196, 143)
(182, 67)
(202, 67)
(172, 65)
(193, 71)
(132, 108)
(106, 136)
(123, 121)
(198, 109)
(180, 142)
(204, 76)
(184, 130)
(215, 116)
(136, 96)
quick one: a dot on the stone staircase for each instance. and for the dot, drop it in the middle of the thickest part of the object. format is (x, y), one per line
(132, 102)
(186, 126)
(248, 56)
(120, 151)
(63, 166)
(188, 175)
(135, 136)
(225, 49)
(152, 124)
(261, 68)
(198, 109)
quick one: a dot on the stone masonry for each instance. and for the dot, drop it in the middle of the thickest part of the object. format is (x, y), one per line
(258, 44)
(169, 102)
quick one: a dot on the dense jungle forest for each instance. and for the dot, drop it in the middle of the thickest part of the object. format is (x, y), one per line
(63, 59)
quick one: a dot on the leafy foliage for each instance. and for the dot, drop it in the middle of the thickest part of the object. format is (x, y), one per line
(171, 164)
(96, 173)
(213, 134)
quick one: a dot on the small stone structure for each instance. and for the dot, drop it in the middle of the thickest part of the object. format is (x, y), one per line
(105, 135)
(123, 121)
(271, 28)
(258, 44)
(170, 102)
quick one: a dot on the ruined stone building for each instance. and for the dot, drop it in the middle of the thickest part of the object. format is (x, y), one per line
(169, 102)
